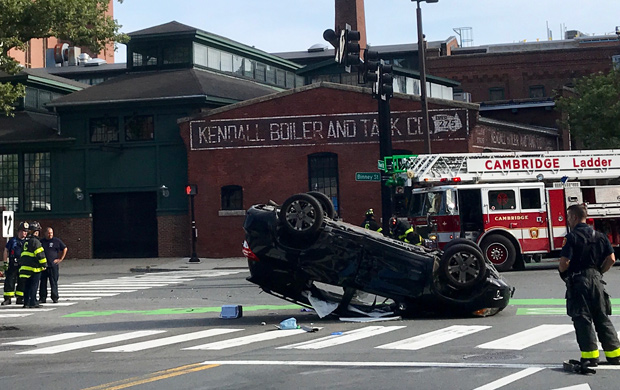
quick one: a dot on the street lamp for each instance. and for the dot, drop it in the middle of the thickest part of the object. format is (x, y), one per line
(422, 66)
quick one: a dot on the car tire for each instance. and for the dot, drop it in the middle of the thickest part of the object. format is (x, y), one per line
(326, 203)
(301, 215)
(463, 241)
(462, 266)
(500, 251)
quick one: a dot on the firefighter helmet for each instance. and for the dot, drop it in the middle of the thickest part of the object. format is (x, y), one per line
(24, 226)
(34, 226)
(370, 212)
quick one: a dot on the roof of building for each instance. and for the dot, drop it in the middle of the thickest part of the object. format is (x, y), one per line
(166, 85)
(29, 127)
(41, 76)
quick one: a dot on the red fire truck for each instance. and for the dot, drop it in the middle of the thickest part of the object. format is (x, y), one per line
(512, 204)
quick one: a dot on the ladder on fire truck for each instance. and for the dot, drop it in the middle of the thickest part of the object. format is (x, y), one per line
(512, 166)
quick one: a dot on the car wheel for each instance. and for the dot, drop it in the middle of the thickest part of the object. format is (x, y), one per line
(301, 215)
(499, 251)
(326, 203)
(463, 241)
(462, 266)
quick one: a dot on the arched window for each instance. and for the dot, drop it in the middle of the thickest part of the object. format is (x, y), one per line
(232, 197)
(323, 175)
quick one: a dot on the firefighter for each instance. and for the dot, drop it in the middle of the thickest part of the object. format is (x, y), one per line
(403, 231)
(370, 222)
(585, 256)
(11, 255)
(31, 263)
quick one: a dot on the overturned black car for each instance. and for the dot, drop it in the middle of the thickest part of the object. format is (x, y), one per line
(299, 252)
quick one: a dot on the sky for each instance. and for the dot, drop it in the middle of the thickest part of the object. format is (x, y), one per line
(295, 25)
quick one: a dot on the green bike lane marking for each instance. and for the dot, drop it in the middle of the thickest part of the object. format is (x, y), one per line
(189, 310)
(549, 306)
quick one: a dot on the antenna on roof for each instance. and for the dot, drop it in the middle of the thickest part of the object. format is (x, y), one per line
(466, 36)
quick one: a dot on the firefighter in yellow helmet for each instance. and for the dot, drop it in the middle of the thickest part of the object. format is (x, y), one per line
(31, 263)
(370, 222)
(403, 231)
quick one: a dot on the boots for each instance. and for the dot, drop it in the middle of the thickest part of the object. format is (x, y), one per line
(20, 300)
(7, 301)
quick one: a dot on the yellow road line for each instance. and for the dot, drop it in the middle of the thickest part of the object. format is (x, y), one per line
(155, 376)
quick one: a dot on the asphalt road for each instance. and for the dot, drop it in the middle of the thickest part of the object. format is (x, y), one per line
(118, 327)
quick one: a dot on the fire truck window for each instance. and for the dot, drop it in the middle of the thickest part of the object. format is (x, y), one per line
(451, 202)
(502, 200)
(530, 198)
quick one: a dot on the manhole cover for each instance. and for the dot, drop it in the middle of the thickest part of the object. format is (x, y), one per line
(493, 356)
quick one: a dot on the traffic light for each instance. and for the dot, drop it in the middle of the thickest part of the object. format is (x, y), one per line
(191, 189)
(348, 50)
(386, 85)
(371, 70)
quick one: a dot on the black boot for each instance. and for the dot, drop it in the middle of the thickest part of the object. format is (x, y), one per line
(7, 301)
(20, 300)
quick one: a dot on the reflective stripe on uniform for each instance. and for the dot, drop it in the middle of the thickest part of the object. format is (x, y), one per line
(9, 294)
(612, 354)
(590, 354)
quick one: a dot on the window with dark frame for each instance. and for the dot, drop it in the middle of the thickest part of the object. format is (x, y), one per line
(530, 198)
(323, 175)
(103, 130)
(496, 93)
(537, 91)
(37, 182)
(9, 182)
(502, 200)
(139, 128)
(232, 197)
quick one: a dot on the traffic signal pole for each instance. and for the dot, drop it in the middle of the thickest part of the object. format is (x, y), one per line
(385, 150)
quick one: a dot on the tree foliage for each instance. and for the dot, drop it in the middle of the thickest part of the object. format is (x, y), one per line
(84, 23)
(593, 113)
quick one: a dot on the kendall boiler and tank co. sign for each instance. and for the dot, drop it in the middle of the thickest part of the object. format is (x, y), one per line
(448, 124)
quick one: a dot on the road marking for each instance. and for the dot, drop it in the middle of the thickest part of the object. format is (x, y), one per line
(159, 375)
(378, 364)
(15, 315)
(169, 311)
(433, 338)
(271, 335)
(529, 337)
(168, 340)
(23, 310)
(583, 386)
(90, 343)
(71, 295)
(48, 339)
(345, 337)
(509, 379)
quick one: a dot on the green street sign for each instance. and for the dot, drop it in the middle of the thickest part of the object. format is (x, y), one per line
(381, 165)
(367, 176)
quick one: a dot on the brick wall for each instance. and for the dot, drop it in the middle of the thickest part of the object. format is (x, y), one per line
(76, 233)
(174, 235)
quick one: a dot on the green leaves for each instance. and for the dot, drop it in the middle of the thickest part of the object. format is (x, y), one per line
(593, 113)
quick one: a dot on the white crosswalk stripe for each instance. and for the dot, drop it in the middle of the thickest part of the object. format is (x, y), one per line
(528, 338)
(434, 338)
(536, 335)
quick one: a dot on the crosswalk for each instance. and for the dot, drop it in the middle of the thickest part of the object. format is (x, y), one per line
(295, 339)
(71, 294)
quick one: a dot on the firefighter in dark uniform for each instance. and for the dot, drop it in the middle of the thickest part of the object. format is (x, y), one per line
(12, 253)
(31, 263)
(403, 231)
(585, 256)
(370, 222)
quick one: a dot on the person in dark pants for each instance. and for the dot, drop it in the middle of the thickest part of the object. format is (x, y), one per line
(585, 257)
(55, 252)
(370, 222)
(12, 253)
(403, 231)
(31, 263)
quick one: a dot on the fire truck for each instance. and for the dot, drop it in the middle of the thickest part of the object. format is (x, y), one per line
(513, 205)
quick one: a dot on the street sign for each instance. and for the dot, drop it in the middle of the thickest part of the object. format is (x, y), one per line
(381, 165)
(367, 176)
(8, 219)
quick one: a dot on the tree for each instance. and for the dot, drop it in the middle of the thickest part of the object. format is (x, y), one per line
(84, 23)
(592, 113)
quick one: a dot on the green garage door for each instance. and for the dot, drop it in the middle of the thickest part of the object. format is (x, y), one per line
(125, 225)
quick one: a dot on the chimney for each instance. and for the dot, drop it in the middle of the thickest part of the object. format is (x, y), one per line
(351, 12)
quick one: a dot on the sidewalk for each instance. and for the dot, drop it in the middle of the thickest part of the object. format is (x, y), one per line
(157, 264)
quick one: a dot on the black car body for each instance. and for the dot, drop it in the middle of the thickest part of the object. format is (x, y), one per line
(295, 248)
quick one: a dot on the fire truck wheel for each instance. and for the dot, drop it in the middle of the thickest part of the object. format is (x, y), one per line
(462, 266)
(499, 251)
(301, 215)
(326, 203)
